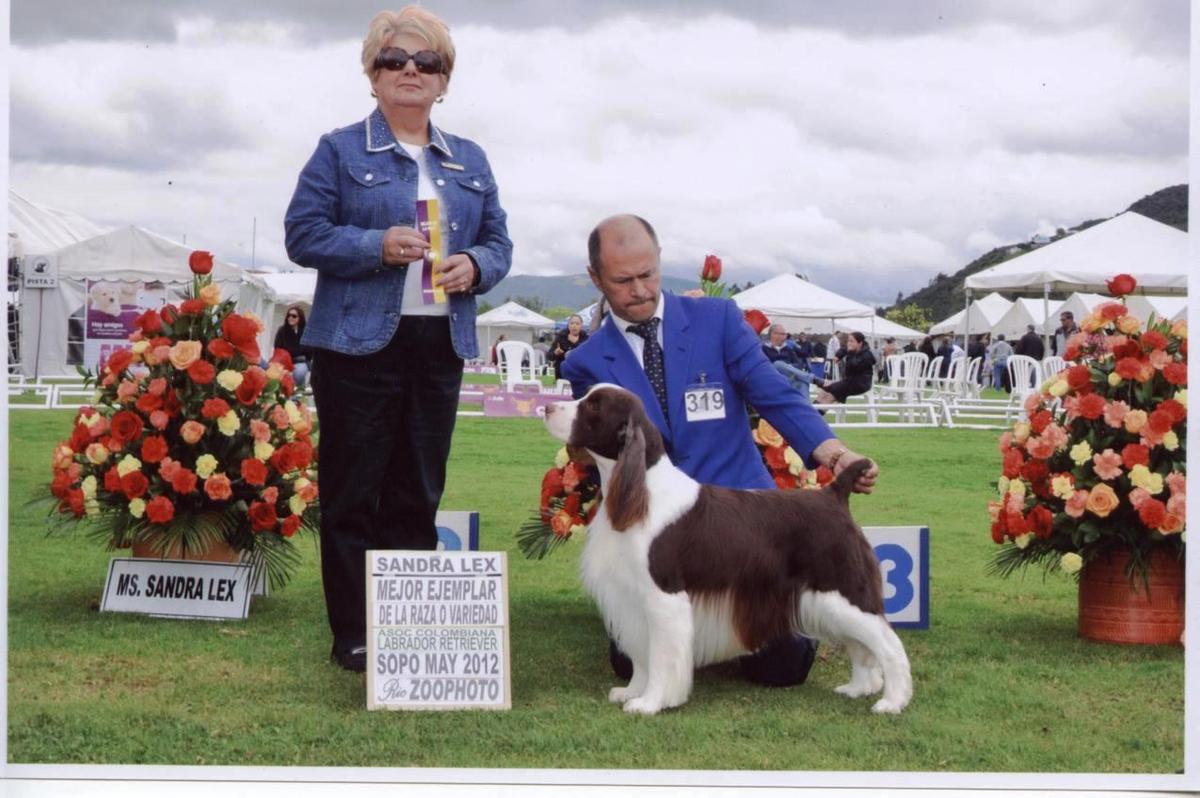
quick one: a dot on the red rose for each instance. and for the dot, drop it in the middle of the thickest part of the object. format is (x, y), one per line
(1072, 353)
(134, 484)
(1013, 460)
(1111, 311)
(1121, 285)
(118, 361)
(81, 436)
(552, 482)
(254, 471)
(149, 322)
(997, 532)
(824, 475)
(220, 349)
(775, 458)
(169, 313)
(1079, 376)
(200, 262)
(126, 426)
(712, 269)
(1153, 339)
(1175, 408)
(1135, 454)
(202, 372)
(262, 516)
(757, 320)
(1039, 421)
(214, 408)
(571, 505)
(1127, 349)
(148, 403)
(282, 357)
(289, 525)
(154, 448)
(112, 480)
(1161, 421)
(1152, 512)
(1040, 521)
(1015, 523)
(785, 480)
(241, 333)
(287, 384)
(1036, 471)
(253, 381)
(1090, 406)
(160, 510)
(184, 481)
(1175, 373)
(75, 502)
(192, 307)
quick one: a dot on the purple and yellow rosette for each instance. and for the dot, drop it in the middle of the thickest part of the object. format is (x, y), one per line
(429, 222)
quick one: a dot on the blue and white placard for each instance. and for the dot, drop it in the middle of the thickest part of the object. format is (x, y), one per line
(458, 530)
(903, 554)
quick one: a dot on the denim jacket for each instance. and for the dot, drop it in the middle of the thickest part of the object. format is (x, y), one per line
(358, 183)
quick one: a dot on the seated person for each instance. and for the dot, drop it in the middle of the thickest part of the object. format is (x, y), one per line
(858, 365)
(785, 360)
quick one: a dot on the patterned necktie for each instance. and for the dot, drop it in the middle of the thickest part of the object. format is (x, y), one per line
(652, 359)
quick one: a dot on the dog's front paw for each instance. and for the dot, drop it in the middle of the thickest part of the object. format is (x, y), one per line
(642, 706)
(619, 695)
(885, 707)
(855, 689)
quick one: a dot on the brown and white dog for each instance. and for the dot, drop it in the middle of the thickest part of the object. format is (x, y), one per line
(688, 574)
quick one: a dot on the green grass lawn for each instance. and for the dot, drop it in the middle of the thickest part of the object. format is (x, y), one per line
(1002, 682)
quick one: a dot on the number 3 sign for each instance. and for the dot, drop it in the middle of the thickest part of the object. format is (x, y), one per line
(903, 554)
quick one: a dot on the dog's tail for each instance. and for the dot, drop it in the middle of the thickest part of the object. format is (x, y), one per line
(844, 483)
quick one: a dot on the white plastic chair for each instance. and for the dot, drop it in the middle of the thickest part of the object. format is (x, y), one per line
(932, 369)
(1024, 375)
(1051, 365)
(516, 362)
(972, 388)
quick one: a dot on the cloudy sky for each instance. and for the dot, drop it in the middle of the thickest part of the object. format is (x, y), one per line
(869, 144)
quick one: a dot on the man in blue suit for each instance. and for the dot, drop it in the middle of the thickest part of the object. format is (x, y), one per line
(695, 363)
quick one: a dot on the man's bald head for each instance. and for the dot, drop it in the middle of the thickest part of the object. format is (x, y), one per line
(618, 232)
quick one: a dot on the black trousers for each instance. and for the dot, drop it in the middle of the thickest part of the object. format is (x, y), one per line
(385, 423)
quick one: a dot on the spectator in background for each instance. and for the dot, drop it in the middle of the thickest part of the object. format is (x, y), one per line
(926, 347)
(493, 358)
(945, 351)
(287, 337)
(858, 364)
(785, 360)
(997, 354)
(567, 340)
(1067, 327)
(817, 360)
(1030, 344)
(978, 349)
(804, 350)
(888, 349)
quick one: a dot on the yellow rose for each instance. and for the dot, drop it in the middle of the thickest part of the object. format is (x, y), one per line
(1020, 432)
(794, 463)
(1128, 324)
(1170, 440)
(293, 412)
(185, 353)
(297, 505)
(1114, 379)
(263, 450)
(1181, 396)
(765, 434)
(1059, 387)
(1143, 477)
(206, 465)
(578, 529)
(1135, 420)
(1062, 486)
(274, 370)
(91, 507)
(1091, 323)
(1016, 488)
(128, 465)
(1179, 329)
(1081, 452)
(211, 294)
(1102, 501)
(229, 379)
(1002, 485)
(1070, 562)
(561, 458)
(140, 347)
(1022, 541)
(137, 507)
(96, 453)
(229, 423)
(88, 486)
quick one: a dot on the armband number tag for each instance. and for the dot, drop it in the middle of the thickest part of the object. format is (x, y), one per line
(704, 402)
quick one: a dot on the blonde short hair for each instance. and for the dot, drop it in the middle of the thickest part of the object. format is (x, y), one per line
(412, 20)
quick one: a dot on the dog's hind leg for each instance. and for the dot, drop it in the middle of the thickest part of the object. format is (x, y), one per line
(897, 674)
(670, 661)
(866, 676)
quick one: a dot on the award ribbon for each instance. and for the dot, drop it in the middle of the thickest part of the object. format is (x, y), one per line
(429, 223)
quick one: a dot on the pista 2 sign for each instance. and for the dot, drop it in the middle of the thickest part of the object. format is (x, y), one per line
(437, 630)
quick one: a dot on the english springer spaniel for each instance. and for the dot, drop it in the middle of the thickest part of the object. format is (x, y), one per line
(688, 574)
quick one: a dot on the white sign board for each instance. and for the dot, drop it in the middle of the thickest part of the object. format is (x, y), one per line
(437, 630)
(903, 554)
(41, 271)
(178, 588)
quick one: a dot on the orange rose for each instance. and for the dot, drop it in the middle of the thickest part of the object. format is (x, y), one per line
(185, 353)
(191, 431)
(217, 487)
(766, 435)
(1102, 500)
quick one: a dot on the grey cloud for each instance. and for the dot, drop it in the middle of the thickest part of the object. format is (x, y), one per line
(1154, 24)
(144, 129)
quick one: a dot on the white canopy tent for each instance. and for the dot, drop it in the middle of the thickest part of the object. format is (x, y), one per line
(1163, 307)
(980, 316)
(1025, 311)
(127, 264)
(1156, 254)
(270, 294)
(35, 229)
(796, 303)
(1079, 304)
(515, 322)
(883, 329)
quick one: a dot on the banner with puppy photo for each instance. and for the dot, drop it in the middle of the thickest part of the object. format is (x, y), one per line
(110, 310)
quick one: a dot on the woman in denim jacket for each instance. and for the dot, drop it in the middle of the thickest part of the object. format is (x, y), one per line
(388, 346)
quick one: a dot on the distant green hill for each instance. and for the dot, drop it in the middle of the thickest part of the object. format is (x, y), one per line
(945, 294)
(564, 290)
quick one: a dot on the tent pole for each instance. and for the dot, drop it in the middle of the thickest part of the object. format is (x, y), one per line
(1046, 317)
(966, 317)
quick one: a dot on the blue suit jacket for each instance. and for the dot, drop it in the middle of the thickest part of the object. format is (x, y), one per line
(705, 339)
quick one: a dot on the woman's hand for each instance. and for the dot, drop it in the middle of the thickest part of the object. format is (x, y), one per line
(457, 273)
(841, 457)
(402, 245)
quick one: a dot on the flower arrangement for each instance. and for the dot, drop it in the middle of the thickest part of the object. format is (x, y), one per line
(189, 442)
(787, 467)
(1099, 463)
(569, 501)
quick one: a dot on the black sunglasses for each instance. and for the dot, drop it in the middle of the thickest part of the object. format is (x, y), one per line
(395, 59)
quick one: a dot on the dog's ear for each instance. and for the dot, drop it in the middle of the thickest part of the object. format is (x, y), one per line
(580, 455)
(628, 500)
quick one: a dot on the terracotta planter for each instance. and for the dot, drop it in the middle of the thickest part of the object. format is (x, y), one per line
(218, 552)
(1112, 610)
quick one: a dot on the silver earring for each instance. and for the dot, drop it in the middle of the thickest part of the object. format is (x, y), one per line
(441, 98)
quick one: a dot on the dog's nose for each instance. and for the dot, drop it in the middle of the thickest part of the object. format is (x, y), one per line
(549, 408)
